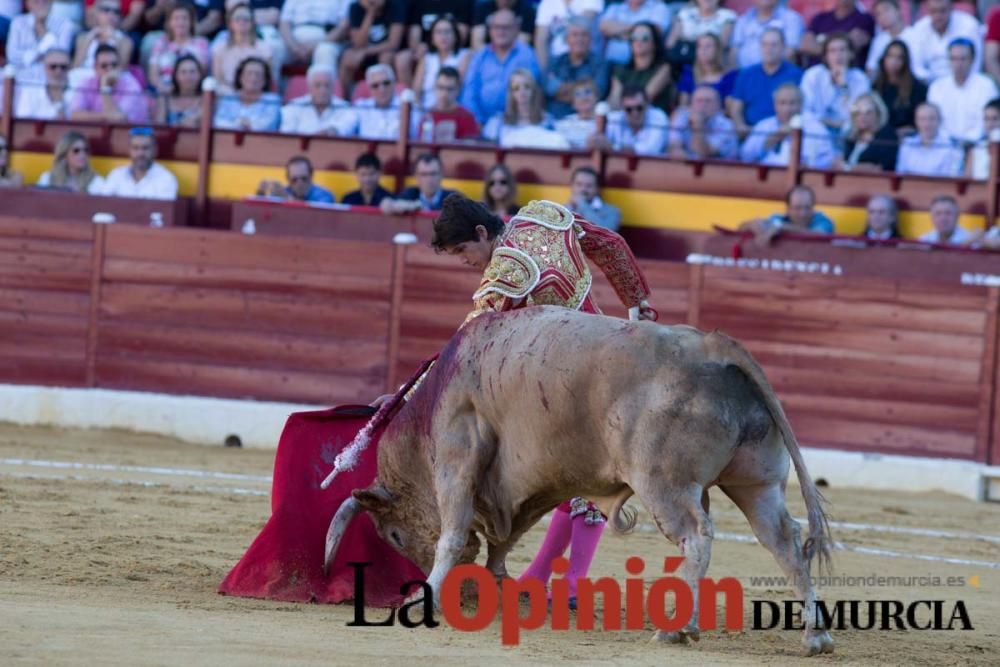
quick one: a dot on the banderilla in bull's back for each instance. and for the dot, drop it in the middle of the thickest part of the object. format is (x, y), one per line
(640, 603)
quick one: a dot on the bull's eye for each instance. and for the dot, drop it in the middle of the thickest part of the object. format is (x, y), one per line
(394, 536)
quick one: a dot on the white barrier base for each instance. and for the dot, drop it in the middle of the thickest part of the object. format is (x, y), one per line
(197, 419)
(258, 424)
(896, 473)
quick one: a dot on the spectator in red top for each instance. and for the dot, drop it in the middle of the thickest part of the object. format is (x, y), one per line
(991, 50)
(450, 120)
(844, 17)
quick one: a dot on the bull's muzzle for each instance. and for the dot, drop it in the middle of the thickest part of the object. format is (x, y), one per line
(341, 520)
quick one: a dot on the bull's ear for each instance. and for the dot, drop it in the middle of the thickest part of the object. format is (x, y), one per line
(374, 499)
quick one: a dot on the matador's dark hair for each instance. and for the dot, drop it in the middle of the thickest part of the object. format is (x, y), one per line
(458, 220)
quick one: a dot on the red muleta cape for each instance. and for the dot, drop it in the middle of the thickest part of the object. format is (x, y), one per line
(285, 562)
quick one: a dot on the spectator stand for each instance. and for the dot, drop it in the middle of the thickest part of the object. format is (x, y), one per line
(217, 167)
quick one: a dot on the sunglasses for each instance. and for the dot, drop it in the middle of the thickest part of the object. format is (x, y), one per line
(636, 109)
(379, 84)
(58, 67)
(641, 38)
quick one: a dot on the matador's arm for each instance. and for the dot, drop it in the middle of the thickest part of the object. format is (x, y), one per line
(611, 253)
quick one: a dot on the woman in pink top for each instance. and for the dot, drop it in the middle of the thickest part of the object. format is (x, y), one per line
(178, 39)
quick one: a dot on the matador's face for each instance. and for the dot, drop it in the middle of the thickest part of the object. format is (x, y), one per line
(477, 253)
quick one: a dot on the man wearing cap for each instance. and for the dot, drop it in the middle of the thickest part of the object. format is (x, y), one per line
(142, 178)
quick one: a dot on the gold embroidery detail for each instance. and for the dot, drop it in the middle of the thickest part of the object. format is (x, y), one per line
(547, 214)
(511, 272)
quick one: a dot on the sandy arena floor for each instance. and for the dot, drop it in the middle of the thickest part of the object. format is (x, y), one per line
(105, 565)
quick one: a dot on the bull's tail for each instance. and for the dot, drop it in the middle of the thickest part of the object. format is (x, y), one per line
(621, 518)
(819, 543)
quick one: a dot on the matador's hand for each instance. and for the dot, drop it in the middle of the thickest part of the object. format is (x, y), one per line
(377, 403)
(647, 312)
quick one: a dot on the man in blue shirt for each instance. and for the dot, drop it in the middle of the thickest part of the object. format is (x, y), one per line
(751, 99)
(580, 62)
(801, 217)
(300, 184)
(426, 195)
(485, 90)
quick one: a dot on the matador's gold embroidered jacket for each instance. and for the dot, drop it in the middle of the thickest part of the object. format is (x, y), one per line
(540, 259)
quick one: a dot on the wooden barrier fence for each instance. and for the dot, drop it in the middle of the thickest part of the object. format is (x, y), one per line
(862, 361)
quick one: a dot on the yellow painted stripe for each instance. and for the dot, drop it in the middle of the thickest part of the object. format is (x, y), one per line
(641, 208)
(698, 212)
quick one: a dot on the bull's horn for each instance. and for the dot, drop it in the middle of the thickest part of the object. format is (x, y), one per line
(341, 520)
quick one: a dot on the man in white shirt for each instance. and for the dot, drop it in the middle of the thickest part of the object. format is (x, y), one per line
(33, 33)
(378, 115)
(930, 36)
(319, 112)
(143, 178)
(46, 99)
(638, 127)
(770, 140)
(929, 152)
(944, 217)
(962, 94)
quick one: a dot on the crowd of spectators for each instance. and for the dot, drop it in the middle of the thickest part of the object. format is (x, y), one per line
(870, 88)
(872, 84)
(801, 217)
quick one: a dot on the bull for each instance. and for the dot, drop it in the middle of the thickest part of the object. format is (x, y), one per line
(525, 409)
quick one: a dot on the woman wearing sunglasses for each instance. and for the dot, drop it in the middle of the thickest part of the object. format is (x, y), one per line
(500, 191)
(647, 68)
(71, 169)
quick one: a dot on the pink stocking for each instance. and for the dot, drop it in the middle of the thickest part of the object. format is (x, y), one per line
(584, 540)
(556, 540)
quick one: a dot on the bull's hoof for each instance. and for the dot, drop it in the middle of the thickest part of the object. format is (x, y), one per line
(821, 642)
(684, 636)
(418, 597)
